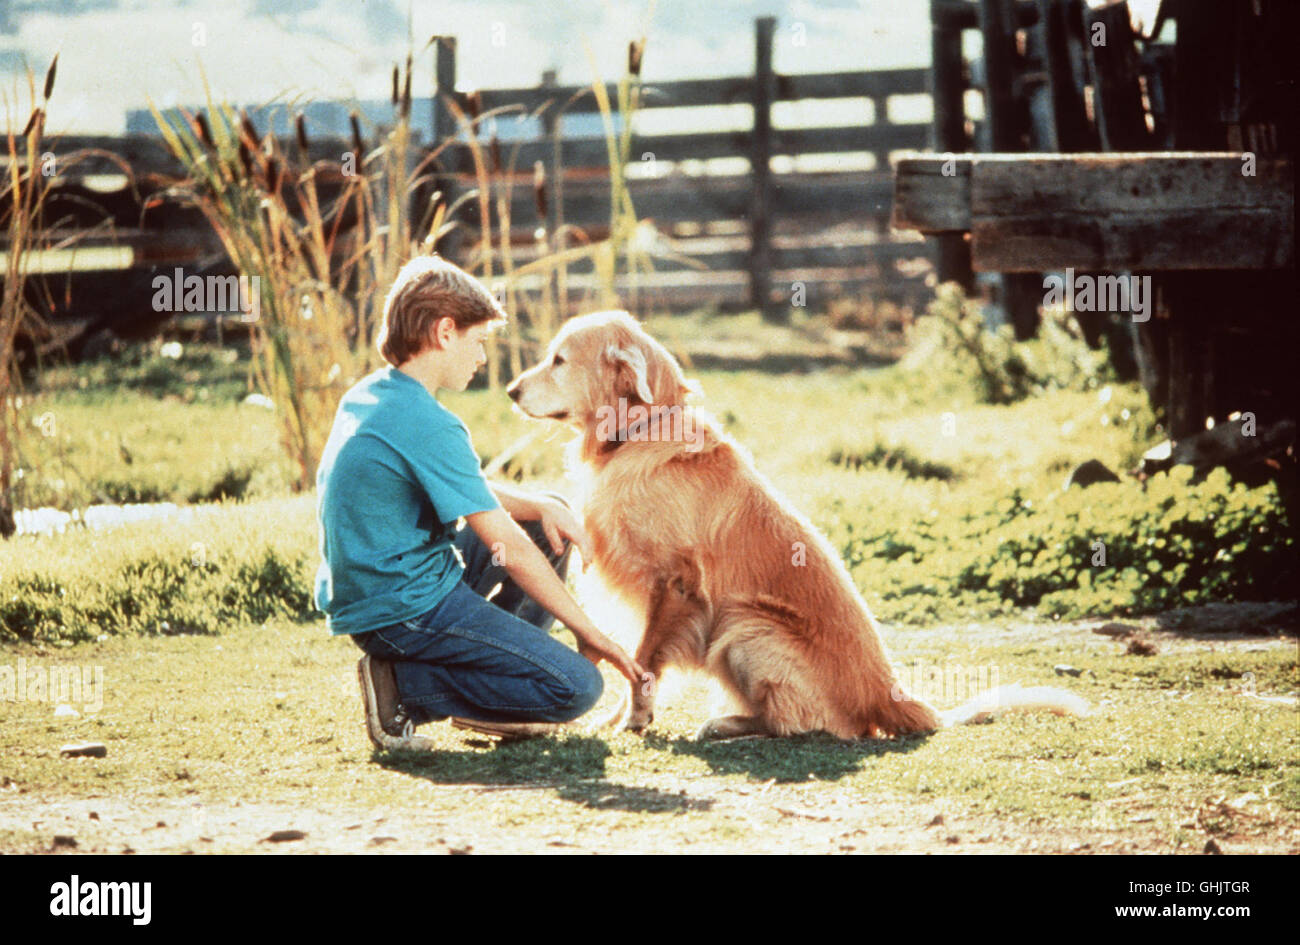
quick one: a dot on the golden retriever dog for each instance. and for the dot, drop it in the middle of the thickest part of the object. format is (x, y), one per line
(729, 577)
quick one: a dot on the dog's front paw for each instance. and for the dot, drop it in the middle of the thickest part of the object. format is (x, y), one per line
(709, 731)
(637, 721)
(729, 726)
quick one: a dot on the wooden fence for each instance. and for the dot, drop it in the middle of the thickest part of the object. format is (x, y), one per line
(757, 232)
(760, 229)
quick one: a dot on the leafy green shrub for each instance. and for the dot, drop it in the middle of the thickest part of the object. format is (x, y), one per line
(233, 564)
(952, 337)
(1113, 547)
(881, 455)
(194, 370)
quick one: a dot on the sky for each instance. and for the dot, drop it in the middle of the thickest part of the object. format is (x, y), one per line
(116, 55)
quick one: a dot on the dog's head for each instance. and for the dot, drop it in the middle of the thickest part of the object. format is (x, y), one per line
(595, 361)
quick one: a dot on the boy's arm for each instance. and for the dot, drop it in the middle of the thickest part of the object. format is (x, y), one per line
(520, 505)
(533, 573)
(558, 522)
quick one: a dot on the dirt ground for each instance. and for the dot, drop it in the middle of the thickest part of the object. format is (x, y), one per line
(769, 819)
(695, 813)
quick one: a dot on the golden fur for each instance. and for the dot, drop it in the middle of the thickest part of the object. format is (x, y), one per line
(729, 576)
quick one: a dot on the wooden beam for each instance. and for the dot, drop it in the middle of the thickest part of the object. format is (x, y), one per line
(1116, 76)
(760, 213)
(1148, 211)
(952, 253)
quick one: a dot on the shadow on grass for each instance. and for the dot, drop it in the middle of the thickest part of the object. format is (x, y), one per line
(540, 762)
(573, 766)
(785, 759)
(640, 800)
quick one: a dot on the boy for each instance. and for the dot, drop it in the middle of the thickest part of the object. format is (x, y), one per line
(396, 474)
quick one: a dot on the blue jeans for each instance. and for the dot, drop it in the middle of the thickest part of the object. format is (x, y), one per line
(495, 660)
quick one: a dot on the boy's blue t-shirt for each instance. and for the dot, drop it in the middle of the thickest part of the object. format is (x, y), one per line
(397, 472)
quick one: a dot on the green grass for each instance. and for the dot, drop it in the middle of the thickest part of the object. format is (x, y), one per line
(943, 507)
(140, 427)
(219, 566)
(224, 690)
(269, 715)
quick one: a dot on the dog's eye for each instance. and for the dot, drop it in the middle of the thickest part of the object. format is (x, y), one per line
(557, 361)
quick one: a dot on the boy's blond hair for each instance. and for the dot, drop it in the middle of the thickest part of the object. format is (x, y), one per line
(429, 288)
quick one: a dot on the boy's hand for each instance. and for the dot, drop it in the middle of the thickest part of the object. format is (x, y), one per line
(559, 523)
(597, 647)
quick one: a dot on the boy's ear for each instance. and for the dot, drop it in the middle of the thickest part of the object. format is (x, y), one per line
(444, 329)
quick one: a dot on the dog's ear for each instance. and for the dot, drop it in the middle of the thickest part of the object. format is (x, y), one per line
(631, 359)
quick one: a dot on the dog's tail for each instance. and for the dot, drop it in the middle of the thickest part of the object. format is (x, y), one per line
(989, 705)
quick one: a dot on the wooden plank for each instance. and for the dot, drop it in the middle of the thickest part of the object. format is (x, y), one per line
(949, 132)
(579, 99)
(692, 93)
(932, 193)
(760, 164)
(876, 84)
(964, 15)
(444, 88)
(1070, 124)
(1156, 211)
(592, 153)
(999, 73)
(709, 198)
(1121, 121)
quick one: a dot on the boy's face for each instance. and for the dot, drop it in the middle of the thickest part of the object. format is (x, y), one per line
(466, 353)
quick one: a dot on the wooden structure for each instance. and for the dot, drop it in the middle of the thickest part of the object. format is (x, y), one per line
(757, 229)
(1173, 161)
(762, 231)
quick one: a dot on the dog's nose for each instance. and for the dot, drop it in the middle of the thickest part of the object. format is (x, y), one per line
(513, 391)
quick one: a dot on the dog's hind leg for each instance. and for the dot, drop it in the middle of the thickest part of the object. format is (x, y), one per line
(761, 658)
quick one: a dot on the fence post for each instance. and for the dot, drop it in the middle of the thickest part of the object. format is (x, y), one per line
(444, 122)
(554, 168)
(1021, 291)
(953, 257)
(552, 134)
(760, 207)
(444, 127)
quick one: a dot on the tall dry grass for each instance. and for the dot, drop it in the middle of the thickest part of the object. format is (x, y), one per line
(324, 262)
(31, 172)
(324, 238)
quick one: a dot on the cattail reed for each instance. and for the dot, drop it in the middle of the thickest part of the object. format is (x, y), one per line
(202, 131)
(36, 118)
(539, 190)
(245, 158)
(635, 50)
(406, 90)
(300, 131)
(474, 104)
(49, 76)
(248, 129)
(358, 142)
(397, 86)
(272, 174)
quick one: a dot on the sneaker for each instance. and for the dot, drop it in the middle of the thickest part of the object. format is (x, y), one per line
(387, 723)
